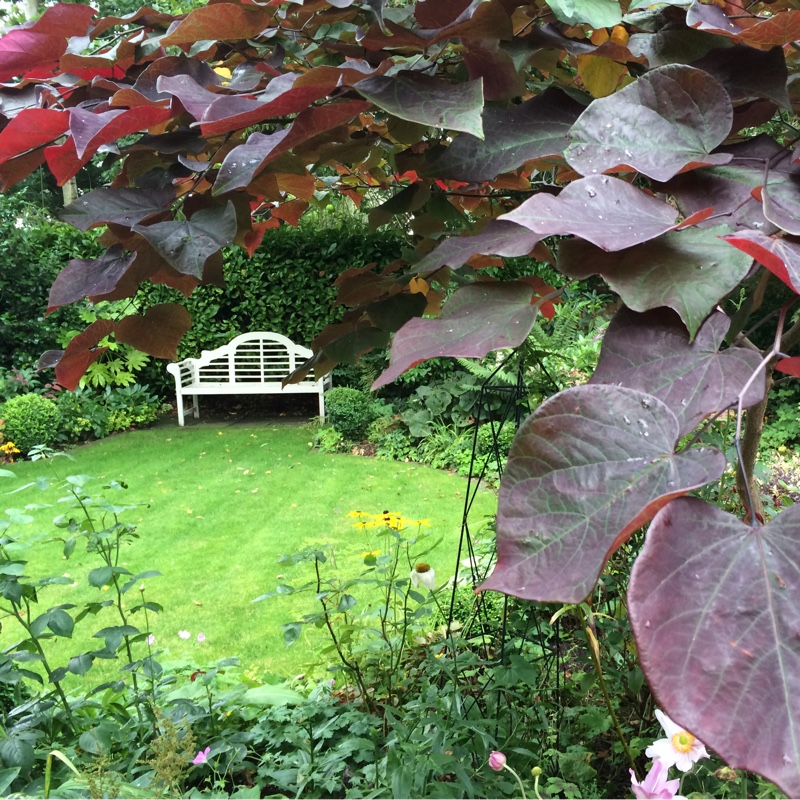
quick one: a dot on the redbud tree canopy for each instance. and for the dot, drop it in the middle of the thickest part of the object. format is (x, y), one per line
(648, 143)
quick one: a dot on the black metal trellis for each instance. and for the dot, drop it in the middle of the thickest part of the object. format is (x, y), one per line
(512, 410)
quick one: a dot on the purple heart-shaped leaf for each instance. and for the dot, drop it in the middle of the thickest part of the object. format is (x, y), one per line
(715, 607)
(586, 469)
(669, 119)
(652, 352)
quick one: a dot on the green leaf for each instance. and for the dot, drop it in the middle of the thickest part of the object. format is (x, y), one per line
(7, 777)
(58, 674)
(5, 473)
(272, 695)
(290, 632)
(61, 623)
(39, 624)
(113, 636)
(152, 573)
(346, 602)
(100, 576)
(18, 517)
(596, 13)
(17, 753)
(80, 665)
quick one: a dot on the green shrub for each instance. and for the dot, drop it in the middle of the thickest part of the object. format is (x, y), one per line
(30, 420)
(328, 440)
(87, 413)
(486, 437)
(349, 411)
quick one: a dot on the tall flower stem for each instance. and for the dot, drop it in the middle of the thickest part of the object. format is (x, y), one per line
(519, 780)
(594, 649)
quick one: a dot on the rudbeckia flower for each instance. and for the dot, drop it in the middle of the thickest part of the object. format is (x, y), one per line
(680, 749)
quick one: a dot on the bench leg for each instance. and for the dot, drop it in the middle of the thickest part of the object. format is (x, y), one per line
(196, 406)
(321, 408)
(180, 410)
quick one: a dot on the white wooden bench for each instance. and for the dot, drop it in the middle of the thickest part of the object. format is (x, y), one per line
(253, 363)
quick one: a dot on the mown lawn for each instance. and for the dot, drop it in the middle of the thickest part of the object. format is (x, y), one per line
(222, 504)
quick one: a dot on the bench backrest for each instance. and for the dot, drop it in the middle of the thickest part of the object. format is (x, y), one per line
(258, 357)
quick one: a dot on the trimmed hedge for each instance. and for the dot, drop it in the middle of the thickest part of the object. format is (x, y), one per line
(287, 287)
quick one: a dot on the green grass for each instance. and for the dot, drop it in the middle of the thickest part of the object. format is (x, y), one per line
(223, 504)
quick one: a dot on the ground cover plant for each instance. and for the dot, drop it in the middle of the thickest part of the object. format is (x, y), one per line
(652, 145)
(222, 504)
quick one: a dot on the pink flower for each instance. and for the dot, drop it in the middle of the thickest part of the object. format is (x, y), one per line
(655, 786)
(201, 637)
(202, 756)
(151, 640)
(680, 749)
(497, 761)
(184, 634)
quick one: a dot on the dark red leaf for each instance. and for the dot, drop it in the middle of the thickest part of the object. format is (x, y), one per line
(586, 469)
(668, 120)
(766, 33)
(746, 73)
(651, 352)
(253, 239)
(88, 277)
(22, 50)
(122, 206)
(188, 244)
(158, 332)
(715, 607)
(32, 127)
(779, 256)
(63, 161)
(229, 112)
(534, 129)
(439, 13)
(220, 21)
(657, 273)
(502, 79)
(194, 98)
(89, 130)
(791, 366)
(430, 101)
(13, 171)
(729, 188)
(499, 237)
(244, 162)
(62, 19)
(290, 211)
(475, 320)
(603, 210)
(81, 352)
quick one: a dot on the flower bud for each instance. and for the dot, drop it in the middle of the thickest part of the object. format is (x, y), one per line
(497, 761)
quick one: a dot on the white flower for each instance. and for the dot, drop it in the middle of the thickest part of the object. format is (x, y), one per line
(184, 634)
(423, 575)
(680, 749)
